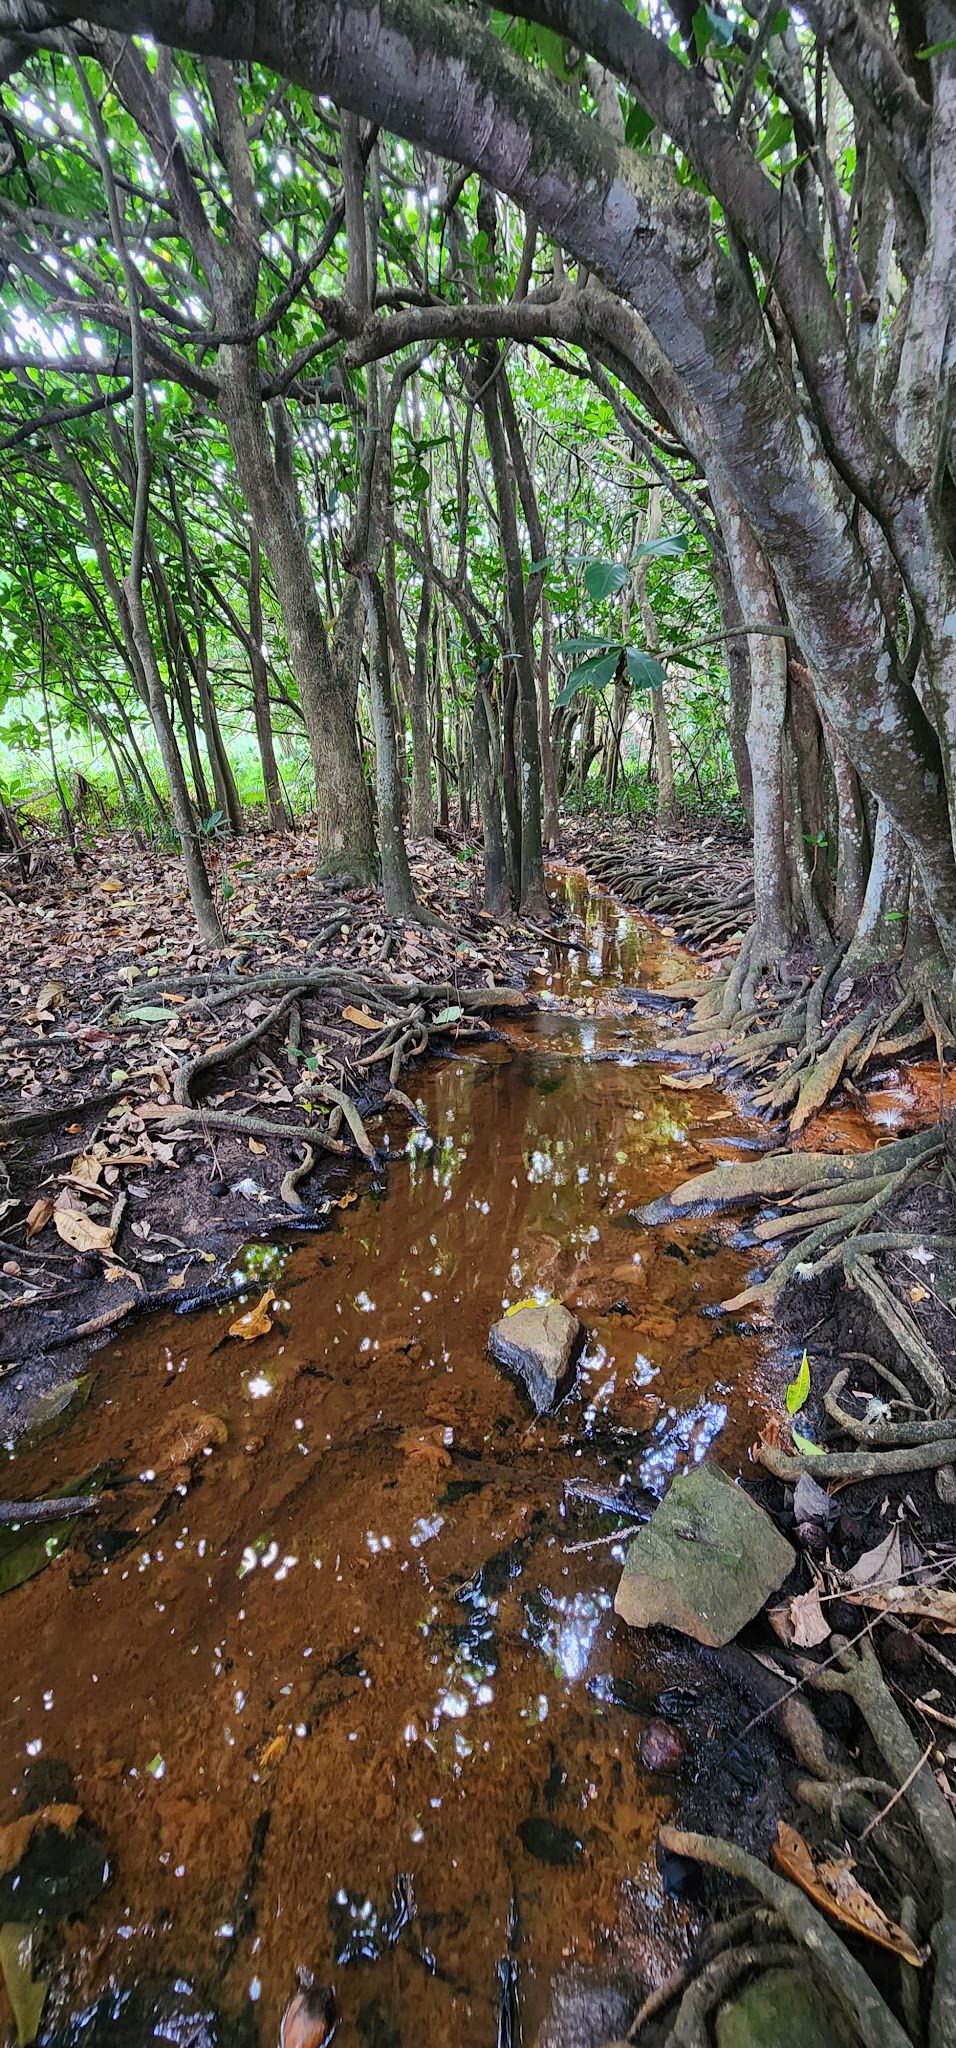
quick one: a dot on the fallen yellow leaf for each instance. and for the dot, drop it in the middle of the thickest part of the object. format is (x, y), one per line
(256, 1322)
(366, 1022)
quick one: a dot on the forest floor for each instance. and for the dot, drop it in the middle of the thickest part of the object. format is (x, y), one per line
(115, 1026)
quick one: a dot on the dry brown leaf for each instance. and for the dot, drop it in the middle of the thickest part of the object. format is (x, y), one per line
(800, 1622)
(351, 1015)
(256, 1322)
(259, 1150)
(833, 1887)
(919, 1603)
(87, 1169)
(111, 887)
(76, 1227)
(683, 1081)
(39, 1216)
(881, 1566)
(51, 995)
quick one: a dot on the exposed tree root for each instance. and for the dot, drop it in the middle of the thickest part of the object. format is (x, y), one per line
(845, 1977)
(857, 1465)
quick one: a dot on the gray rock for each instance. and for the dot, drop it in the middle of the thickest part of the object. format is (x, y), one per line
(539, 1343)
(705, 1562)
(782, 2009)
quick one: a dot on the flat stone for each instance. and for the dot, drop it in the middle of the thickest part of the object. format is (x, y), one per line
(782, 2009)
(538, 1342)
(705, 1562)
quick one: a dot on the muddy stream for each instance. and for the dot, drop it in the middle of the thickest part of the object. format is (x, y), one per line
(352, 1694)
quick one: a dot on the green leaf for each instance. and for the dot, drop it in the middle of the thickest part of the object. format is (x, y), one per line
(638, 127)
(779, 133)
(151, 1013)
(937, 49)
(27, 1994)
(668, 547)
(602, 579)
(804, 1446)
(798, 1392)
(710, 27)
(449, 1016)
(585, 643)
(592, 675)
(644, 672)
(28, 1550)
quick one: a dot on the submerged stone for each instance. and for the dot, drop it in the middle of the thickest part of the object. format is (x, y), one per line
(705, 1562)
(52, 1865)
(538, 1342)
(549, 1840)
(586, 2011)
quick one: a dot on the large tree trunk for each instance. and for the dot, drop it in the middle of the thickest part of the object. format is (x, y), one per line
(533, 898)
(327, 688)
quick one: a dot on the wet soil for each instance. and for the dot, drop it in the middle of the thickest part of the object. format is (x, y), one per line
(331, 1670)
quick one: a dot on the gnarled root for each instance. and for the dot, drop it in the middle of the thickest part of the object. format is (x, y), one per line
(845, 1977)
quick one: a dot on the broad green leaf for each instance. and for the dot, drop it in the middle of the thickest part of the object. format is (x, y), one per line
(151, 1013)
(584, 643)
(592, 675)
(798, 1392)
(449, 1016)
(603, 579)
(779, 133)
(27, 1993)
(668, 547)
(804, 1446)
(644, 671)
(638, 126)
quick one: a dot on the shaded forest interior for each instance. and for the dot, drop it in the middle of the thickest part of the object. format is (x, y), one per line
(468, 477)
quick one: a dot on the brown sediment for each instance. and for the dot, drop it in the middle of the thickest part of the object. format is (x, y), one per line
(297, 1640)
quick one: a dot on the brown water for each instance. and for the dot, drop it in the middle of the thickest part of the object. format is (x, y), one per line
(352, 1643)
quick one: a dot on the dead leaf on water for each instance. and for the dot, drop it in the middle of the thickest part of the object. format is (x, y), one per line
(682, 1081)
(834, 1887)
(256, 1322)
(26, 1993)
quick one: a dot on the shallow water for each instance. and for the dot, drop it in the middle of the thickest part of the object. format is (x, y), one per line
(354, 1644)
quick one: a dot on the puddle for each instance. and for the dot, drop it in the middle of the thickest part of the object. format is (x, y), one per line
(353, 1699)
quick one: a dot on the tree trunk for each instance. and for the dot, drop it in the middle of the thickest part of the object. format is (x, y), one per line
(532, 893)
(397, 886)
(326, 689)
(272, 786)
(422, 815)
(497, 895)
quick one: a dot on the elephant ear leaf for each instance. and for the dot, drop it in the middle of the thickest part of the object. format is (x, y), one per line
(603, 579)
(594, 674)
(645, 673)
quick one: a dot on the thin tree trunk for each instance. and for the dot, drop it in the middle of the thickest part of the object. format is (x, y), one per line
(262, 707)
(497, 895)
(397, 887)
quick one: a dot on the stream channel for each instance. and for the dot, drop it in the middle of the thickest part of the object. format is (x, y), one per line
(352, 1695)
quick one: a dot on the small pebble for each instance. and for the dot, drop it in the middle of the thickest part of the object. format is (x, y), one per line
(661, 1747)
